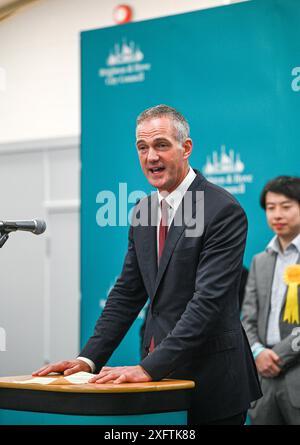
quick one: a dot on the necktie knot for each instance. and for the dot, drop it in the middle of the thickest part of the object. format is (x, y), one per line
(164, 212)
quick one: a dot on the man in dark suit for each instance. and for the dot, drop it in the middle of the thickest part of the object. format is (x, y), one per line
(185, 252)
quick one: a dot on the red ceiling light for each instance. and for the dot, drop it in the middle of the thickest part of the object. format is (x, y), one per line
(122, 14)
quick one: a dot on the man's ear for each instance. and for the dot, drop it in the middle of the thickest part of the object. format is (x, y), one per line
(187, 148)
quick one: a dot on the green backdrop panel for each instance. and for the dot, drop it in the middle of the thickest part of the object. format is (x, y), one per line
(233, 72)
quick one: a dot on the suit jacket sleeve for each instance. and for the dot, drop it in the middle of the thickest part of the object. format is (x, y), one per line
(289, 349)
(124, 303)
(217, 278)
(250, 307)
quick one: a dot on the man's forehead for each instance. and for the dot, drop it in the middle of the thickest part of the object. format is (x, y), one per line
(153, 127)
(278, 198)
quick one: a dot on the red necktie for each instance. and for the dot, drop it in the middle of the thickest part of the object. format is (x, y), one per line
(163, 231)
(163, 227)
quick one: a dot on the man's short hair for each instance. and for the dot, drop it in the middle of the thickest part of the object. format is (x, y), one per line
(180, 123)
(283, 185)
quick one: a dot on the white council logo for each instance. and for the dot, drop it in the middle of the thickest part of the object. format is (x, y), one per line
(124, 65)
(226, 170)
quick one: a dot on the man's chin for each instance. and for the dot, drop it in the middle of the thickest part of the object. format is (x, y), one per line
(156, 183)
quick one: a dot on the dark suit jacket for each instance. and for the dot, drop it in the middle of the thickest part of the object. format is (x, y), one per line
(194, 314)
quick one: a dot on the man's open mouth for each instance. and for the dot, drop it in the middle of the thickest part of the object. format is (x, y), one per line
(156, 169)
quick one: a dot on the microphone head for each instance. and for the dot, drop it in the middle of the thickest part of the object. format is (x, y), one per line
(40, 226)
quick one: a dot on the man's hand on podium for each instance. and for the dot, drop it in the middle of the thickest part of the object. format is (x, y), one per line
(66, 367)
(121, 374)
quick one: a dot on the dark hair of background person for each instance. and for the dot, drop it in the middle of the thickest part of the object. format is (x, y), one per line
(284, 185)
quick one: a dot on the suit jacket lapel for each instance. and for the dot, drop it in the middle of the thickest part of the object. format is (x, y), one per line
(269, 270)
(150, 240)
(175, 231)
(172, 238)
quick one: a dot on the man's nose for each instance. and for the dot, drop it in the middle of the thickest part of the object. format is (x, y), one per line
(277, 214)
(152, 155)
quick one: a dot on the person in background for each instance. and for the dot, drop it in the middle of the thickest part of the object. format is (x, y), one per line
(271, 307)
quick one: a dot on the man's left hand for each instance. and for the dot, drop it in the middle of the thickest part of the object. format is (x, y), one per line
(121, 374)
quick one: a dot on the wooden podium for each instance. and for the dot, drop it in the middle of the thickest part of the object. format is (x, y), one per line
(128, 399)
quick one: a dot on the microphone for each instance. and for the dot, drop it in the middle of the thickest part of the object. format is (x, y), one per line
(36, 226)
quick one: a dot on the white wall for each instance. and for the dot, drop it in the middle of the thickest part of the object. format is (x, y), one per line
(39, 53)
(39, 275)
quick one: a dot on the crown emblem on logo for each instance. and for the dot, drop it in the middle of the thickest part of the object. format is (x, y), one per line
(124, 53)
(223, 163)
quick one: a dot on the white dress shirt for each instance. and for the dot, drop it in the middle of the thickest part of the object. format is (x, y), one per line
(286, 258)
(174, 199)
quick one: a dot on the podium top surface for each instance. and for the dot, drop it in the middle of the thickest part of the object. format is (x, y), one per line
(65, 386)
(95, 399)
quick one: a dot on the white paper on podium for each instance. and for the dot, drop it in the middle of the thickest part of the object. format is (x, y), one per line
(38, 380)
(78, 378)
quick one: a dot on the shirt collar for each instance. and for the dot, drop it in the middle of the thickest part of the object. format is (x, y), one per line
(174, 198)
(274, 244)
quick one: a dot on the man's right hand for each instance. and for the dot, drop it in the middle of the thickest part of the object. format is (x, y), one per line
(267, 363)
(66, 367)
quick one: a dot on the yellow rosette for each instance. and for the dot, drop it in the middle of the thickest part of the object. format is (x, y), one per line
(292, 279)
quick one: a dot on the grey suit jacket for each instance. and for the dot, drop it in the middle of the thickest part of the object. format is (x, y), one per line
(255, 313)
